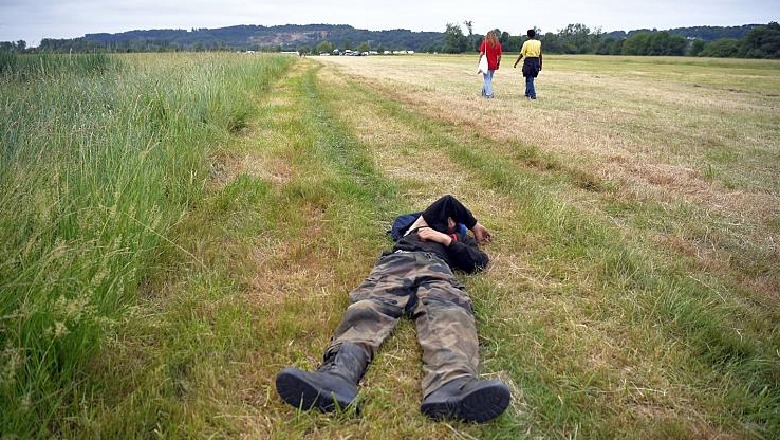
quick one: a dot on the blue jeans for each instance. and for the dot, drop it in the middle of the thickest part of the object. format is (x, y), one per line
(487, 88)
(530, 91)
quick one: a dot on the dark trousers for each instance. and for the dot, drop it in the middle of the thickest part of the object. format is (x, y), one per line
(421, 286)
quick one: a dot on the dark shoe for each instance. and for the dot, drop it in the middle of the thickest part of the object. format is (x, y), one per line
(332, 386)
(469, 400)
(321, 390)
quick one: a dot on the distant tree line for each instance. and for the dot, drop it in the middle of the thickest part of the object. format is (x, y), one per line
(747, 41)
(751, 41)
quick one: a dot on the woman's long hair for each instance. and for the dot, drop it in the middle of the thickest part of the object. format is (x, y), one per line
(491, 39)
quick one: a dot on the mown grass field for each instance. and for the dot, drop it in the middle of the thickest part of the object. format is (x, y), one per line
(175, 229)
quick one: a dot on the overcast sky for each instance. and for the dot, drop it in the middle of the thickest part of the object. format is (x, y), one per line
(31, 20)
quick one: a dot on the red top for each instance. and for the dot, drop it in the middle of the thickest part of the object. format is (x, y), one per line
(492, 54)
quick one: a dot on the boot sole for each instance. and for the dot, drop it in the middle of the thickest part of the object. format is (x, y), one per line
(295, 389)
(480, 405)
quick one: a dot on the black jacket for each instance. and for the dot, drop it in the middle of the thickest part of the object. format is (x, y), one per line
(463, 253)
(531, 67)
(448, 206)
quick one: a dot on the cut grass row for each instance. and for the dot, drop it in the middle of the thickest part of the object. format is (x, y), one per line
(647, 300)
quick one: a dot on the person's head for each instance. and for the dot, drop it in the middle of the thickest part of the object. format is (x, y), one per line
(491, 38)
(531, 33)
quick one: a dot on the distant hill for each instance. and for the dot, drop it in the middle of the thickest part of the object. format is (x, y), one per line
(282, 37)
(707, 33)
(746, 41)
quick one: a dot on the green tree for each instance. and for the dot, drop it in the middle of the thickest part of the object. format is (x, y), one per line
(722, 48)
(654, 43)
(551, 43)
(607, 46)
(575, 38)
(696, 47)
(513, 44)
(364, 47)
(637, 44)
(473, 42)
(503, 38)
(324, 46)
(762, 42)
(454, 40)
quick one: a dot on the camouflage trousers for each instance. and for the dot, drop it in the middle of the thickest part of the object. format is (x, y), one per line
(421, 286)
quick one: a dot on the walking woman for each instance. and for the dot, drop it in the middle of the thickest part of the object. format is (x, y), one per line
(532, 51)
(491, 50)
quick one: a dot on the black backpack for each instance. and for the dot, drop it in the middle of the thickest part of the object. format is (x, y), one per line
(401, 225)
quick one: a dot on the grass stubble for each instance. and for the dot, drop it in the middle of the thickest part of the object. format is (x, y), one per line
(618, 304)
(629, 325)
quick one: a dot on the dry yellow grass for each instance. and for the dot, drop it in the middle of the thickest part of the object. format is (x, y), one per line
(624, 128)
(652, 130)
(401, 153)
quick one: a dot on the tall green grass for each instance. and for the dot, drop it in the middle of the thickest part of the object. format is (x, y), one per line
(50, 65)
(100, 157)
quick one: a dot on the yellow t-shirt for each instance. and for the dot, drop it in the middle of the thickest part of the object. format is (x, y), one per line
(531, 48)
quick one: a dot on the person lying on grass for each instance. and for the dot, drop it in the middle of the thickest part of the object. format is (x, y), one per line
(414, 279)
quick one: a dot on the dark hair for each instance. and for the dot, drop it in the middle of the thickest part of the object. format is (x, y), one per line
(531, 33)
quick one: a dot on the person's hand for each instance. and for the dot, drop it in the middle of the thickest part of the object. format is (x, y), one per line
(515, 64)
(429, 234)
(480, 233)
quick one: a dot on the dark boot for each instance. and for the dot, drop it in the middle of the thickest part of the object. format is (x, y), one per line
(467, 399)
(333, 385)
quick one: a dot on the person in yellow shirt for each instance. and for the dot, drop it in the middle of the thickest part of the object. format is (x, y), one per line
(532, 65)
